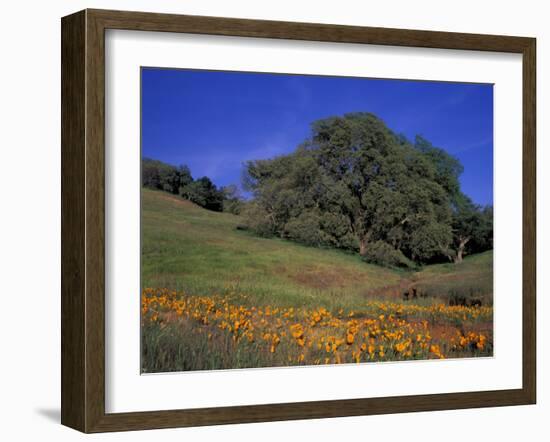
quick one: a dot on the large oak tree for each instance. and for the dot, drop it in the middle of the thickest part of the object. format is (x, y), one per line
(355, 184)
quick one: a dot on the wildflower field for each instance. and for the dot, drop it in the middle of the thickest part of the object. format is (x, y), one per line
(187, 332)
(214, 297)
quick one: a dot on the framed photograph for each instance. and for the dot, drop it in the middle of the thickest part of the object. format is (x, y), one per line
(267, 220)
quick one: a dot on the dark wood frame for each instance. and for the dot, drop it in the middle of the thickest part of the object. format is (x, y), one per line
(83, 217)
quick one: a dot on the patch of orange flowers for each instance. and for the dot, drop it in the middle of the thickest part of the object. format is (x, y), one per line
(378, 332)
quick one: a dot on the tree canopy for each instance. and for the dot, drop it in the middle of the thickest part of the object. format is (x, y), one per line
(472, 229)
(356, 185)
(204, 193)
(158, 175)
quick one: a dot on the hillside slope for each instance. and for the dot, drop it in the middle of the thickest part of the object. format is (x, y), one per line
(189, 248)
(185, 247)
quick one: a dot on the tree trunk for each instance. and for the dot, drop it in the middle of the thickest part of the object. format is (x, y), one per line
(460, 252)
(362, 247)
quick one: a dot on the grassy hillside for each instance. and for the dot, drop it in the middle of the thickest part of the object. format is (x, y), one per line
(473, 279)
(185, 247)
(217, 297)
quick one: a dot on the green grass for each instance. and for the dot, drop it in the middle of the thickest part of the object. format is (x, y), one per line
(472, 279)
(199, 252)
(188, 248)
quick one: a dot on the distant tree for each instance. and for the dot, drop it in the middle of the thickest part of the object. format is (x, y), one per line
(204, 193)
(185, 177)
(158, 175)
(178, 180)
(484, 241)
(150, 176)
(472, 228)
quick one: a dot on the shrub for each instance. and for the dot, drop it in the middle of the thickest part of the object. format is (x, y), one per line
(382, 253)
(234, 206)
(305, 229)
(258, 220)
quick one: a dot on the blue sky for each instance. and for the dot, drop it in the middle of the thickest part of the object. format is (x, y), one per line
(213, 121)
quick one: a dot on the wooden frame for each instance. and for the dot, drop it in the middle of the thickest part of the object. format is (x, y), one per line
(83, 216)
